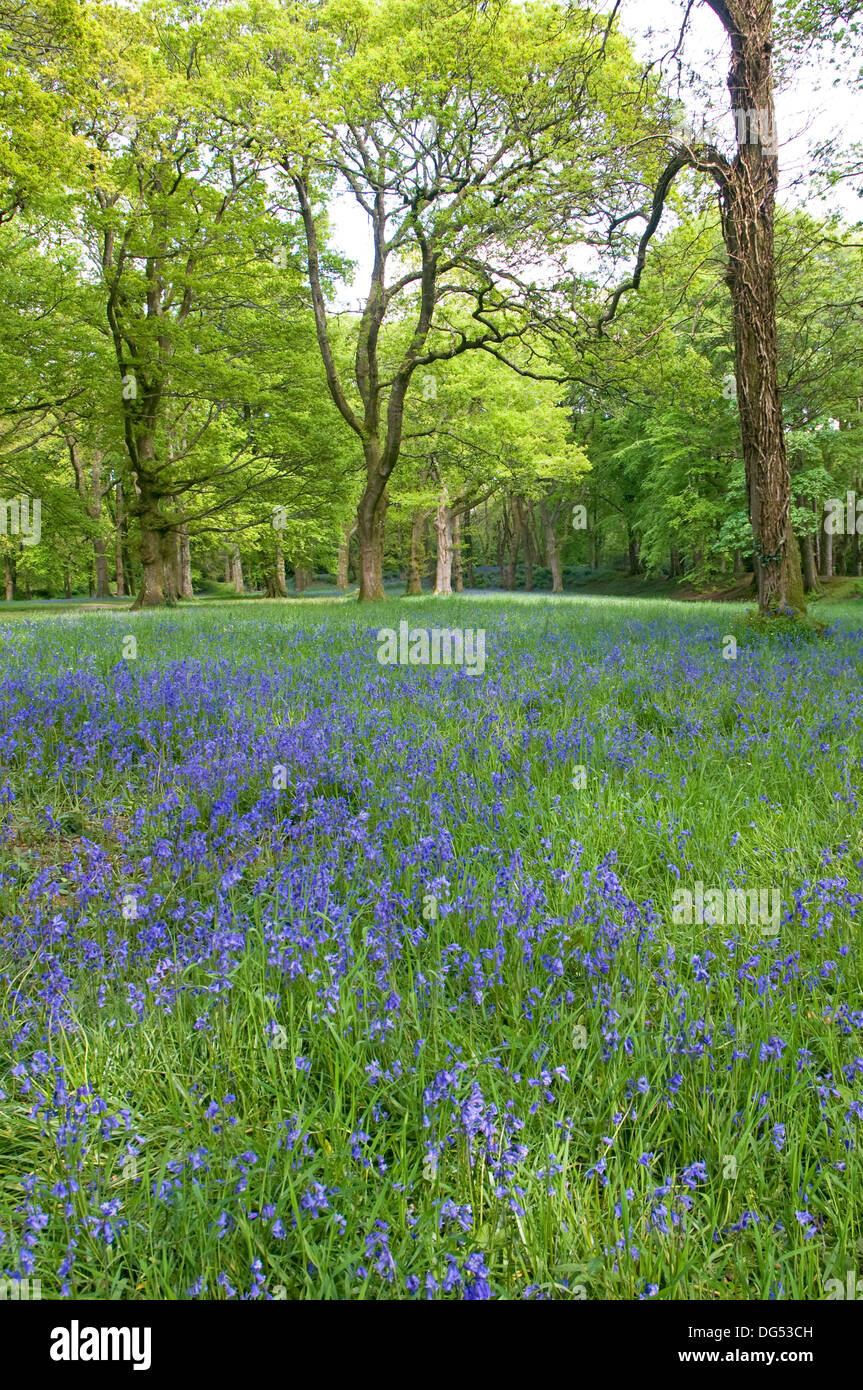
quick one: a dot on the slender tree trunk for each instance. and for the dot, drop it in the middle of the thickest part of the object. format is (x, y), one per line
(443, 536)
(90, 491)
(457, 572)
(184, 557)
(826, 549)
(415, 578)
(237, 571)
(118, 542)
(345, 554)
(552, 549)
(281, 579)
(840, 555)
(810, 570)
(632, 552)
(9, 575)
(525, 526)
(429, 553)
(100, 543)
(468, 546)
(302, 578)
(512, 533)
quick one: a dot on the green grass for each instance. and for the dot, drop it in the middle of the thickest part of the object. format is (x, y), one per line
(697, 769)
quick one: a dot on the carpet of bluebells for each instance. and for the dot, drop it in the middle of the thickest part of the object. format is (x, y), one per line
(327, 979)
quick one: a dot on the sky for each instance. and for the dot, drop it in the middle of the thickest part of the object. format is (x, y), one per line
(809, 110)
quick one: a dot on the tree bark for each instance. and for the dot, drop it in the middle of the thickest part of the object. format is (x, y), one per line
(184, 564)
(118, 542)
(237, 571)
(281, 580)
(747, 196)
(443, 536)
(371, 520)
(152, 593)
(747, 200)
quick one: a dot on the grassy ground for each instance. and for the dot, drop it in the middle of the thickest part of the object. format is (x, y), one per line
(321, 978)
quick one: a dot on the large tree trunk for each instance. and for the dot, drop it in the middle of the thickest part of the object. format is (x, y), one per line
(747, 200)
(415, 554)
(371, 520)
(552, 549)
(151, 594)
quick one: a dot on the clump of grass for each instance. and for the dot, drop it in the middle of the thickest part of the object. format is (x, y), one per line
(779, 629)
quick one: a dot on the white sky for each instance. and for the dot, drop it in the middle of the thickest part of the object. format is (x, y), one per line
(811, 109)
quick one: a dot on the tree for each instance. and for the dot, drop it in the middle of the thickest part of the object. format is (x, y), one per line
(747, 193)
(464, 133)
